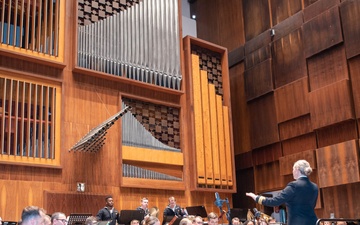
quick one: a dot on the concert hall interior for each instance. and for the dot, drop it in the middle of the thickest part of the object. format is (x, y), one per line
(202, 100)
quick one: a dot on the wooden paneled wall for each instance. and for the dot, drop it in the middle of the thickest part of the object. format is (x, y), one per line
(298, 66)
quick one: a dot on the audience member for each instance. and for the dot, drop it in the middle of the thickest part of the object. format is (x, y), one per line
(32, 215)
(46, 220)
(154, 211)
(151, 220)
(341, 223)
(108, 213)
(91, 220)
(249, 222)
(172, 209)
(0, 221)
(235, 221)
(276, 214)
(58, 218)
(213, 218)
(134, 222)
(185, 221)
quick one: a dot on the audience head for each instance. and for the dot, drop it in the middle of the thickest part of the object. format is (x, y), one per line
(91, 220)
(341, 223)
(58, 218)
(109, 201)
(0, 220)
(249, 222)
(213, 218)
(144, 203)
(185, 221)
(301, 168)
(134, 222)
(199, 220)
(235, 221)
(32, 215)
(46, 220)
(151, 220)
(154, 211)
(172, 202)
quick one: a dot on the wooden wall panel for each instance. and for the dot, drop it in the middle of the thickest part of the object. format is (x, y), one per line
(327, 67)
(322, 32)
(257, 56)
(260, 41)
(287, 162)
(289, 62)
(331, 104)
(264, 129)
(354, 68)
(244, 160)
(245, 179)
(240, 119)
(337, 133)
(292, 100)
(258, 80)
(299, 144)
(282, 9)
(256, 17)
(295, 127)
(318, 8)
(338, 164)
(309, 2)
(288, 25)
(266, 154)
(342, 200)
(267, 178)
(350, 17)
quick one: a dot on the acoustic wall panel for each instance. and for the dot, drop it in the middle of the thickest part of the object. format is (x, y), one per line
(337, 133)
(338, 164)
(289, 62)
(354, 67)
(257, 56)
(282, 9)
(318, 8)
(322, 32)
(292, 100)
(288, 25)
(350, 17)
(327, 67)
(258, 80)
(266, 154)
(298, 144)
(267, 177)
(287, 162)
(331, 104)
(295, 127)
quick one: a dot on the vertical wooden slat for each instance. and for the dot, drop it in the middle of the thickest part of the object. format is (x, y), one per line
(53, 112)
(2, 21)
(199, 140)
(28, 137)
(39, 25)
(16, 120)
(22, 126)
(15, 21)
(9, 116)
(45, 34)
(27, 24)
(2, 133)
(8, 22)
(22, 11)
(51, 16)
(40, 119)
(56, 28)
(229, 158)
(221, 138)
(33, 30)
(34, 148)
(206, 128)
(214, 134)
(46, 124)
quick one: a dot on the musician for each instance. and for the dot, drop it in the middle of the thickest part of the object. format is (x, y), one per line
(300, 196)
(173, 210)
(185, 221)
(144, 202)
(108, 213)
(213, 219)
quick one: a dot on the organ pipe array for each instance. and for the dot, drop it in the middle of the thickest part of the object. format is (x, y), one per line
(141, 43)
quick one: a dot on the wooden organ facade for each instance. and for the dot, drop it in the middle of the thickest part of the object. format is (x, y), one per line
(71, 71)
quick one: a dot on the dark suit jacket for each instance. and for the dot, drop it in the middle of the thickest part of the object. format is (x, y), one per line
(300, 198)
(105, 215)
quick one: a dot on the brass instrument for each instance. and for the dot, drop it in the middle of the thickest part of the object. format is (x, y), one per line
(259, 215)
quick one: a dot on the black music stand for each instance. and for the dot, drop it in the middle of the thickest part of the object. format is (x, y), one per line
(9, 223)
(126, 216)
(167, 219)
(78, 218)
(197, 211)
(239, 213)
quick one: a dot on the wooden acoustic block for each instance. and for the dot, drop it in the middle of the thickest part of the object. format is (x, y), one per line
(253, 23)
(295, 127)
(264, 129)
(337, 133)
(287, 26)
(257, 56)
(318, 8)
(331, 104)
(354, 67)
(350, 20)
(327, 67)
(282, 9)
(266, 154)
(322, 32)
(342, 200)
(289, 63)
(267, 177)
(292, 100)
(298, 144)
(258, 80)
(287, 162)
(236, 56)
(338, 164)
(243, 161)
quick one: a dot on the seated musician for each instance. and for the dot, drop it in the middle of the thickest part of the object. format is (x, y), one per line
(213, 219)
(144, 202)
(173, 210)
